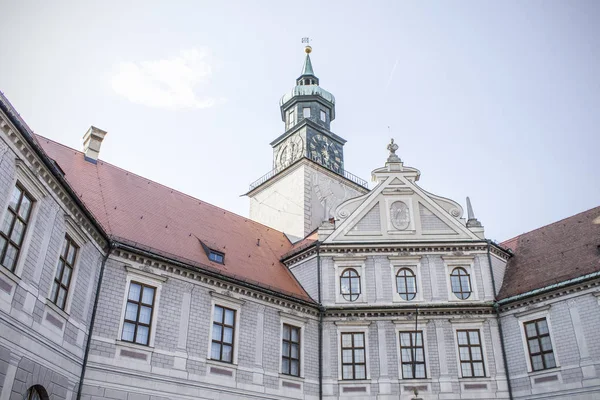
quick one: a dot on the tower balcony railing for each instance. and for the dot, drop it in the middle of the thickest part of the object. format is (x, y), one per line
(346, 174)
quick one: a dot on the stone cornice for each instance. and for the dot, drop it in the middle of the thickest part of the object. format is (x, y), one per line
(40, 171)
(199, 276)
(395, 312)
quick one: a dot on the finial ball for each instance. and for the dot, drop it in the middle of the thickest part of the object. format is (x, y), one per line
(308, 49)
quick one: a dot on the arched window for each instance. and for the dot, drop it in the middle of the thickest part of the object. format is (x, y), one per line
(406, 284)
(36, 393)
(350, 284)
(461, 283)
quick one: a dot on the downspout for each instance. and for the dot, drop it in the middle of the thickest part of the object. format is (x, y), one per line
(499, 320)
(321, 312)
(111, 246)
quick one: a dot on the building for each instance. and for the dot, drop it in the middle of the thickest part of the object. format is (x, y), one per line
(368, 294)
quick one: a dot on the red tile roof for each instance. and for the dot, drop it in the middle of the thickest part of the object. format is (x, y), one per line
(137, 210)
(554, 253)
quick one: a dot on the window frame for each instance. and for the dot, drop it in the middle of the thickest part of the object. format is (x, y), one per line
(20, 247)
(531, 315)
(217, 254)
(350, 278)
(139, 304)
(68, 243)
(353, 327)
(353, 349)
(291, 120)
(538, 337)
(459, 276)
(232, 303)
(290, 342)
(356, 263)
(306, 110)
(406, 277)
(411, 347)
(471, 361)
(223, 325)
(323, 115)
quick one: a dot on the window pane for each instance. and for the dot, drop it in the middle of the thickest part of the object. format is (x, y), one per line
(534, 346)
(142, 335)
(54, 291)
(466, 370)
(401, 284)
(355, 285)
(359, 356)
(228, 335)
(295, 335)
(134, 292)
(347, 372)
(8, 219)
(530, 330)
(537, 362)
(229, 317)
(407, 371)
(346, 340)
(546, 344)
(419, 355)
(17, 233)
(25, 207)
(478, 369)
(295, 351)
(131, 311)
(542, 327)
(218, 315)
(359, 372)
(61, 265)
(145, 314)
(476, 353)
(359, 340)
(14, 200)
(62, 296)
(215, 351)
(420, 371)
(474, 337)
(71, 255)
(66, 278)
(285, 349)
(346, 356)
(128, 330)
(464, 354)
(286, 332)
(345, 285)
(306, 112)
(406, 355)
(227, 353)
(285, 366)
(464, 281)
(10, 257)
(418, 338)
(462, 338)
(323, 116)
(550, 362)
(405, 339)
(148, 296)
(295, 370)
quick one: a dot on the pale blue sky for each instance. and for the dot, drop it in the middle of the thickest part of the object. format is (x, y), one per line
(498, 101)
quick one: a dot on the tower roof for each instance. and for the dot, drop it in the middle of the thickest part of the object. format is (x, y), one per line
(307, 68)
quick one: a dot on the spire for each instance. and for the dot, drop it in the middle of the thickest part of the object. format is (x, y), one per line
(471, 221)
(308, 76)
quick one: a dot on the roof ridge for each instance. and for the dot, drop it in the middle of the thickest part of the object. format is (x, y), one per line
(547, 225)
(165, 186)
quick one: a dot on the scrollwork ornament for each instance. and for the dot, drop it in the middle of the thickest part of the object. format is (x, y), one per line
(455, 212)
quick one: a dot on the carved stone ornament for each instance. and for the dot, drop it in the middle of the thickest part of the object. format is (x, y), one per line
(399, 215)
(392, 147)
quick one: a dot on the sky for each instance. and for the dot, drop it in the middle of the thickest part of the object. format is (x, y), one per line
(498, 101)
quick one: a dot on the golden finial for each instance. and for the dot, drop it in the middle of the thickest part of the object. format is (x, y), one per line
(307, 49)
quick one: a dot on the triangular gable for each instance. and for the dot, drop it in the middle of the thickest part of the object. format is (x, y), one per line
(405, 213)
(431, 222)
(371, 222)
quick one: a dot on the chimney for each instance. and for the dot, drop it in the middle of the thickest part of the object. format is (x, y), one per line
(92, 140)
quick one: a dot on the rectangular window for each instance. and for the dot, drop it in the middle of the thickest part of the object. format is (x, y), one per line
(470, 353)
(14, 226)
(290, 350)
(354, 365)
(64, 272)
(306, 112)
(216, 256)
(291, 120)
(222, 334)
(323, 116)
(138, 313)
(412, 353)
(539, 345)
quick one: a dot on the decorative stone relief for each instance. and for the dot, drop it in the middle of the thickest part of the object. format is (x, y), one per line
(330, 193)
(399, 215)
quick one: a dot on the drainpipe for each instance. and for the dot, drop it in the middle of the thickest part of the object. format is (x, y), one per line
(111, 246)
(499, 320)
(321, 312)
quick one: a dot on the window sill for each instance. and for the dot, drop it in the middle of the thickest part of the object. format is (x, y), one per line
(9, 274)
(62, 313)
(291, 377)
(136, 346)
(544, 371)
(354, 381)
(221, 363)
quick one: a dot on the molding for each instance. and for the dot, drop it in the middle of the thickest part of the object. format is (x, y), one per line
(349, 259)
(408, 259)
(352, 323)
(452, 259)
(532, 311)
(293, 317)
(467, 321)
(24, 174)
(226, 297)
(148, 274)
(74, 231)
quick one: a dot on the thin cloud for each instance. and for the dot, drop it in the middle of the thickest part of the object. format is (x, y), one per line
(169, 83)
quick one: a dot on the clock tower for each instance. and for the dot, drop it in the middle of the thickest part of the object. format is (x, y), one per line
(308, 179)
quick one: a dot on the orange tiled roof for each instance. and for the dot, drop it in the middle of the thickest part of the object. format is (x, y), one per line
(554, 253)
(136, 210)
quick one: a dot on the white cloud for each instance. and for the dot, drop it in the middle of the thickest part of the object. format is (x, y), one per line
(167, 83)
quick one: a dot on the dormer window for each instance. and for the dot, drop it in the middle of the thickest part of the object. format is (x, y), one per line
(216, 256)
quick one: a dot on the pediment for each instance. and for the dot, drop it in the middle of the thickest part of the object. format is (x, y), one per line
(399, 210)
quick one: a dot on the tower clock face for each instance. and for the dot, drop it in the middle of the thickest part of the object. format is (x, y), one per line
(326, 152)
(290, 151)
